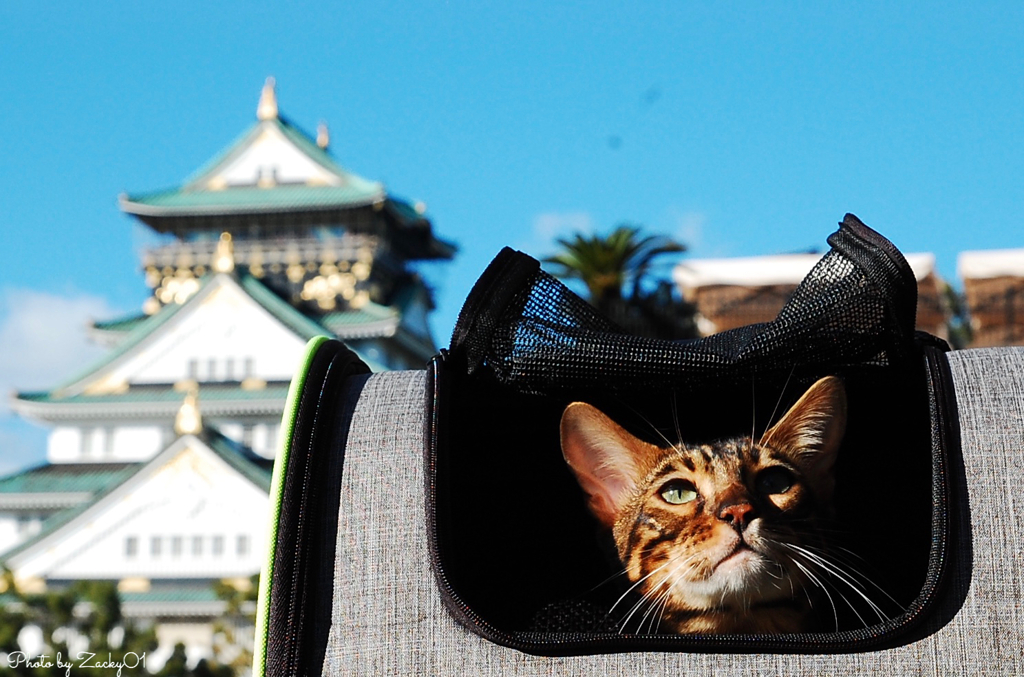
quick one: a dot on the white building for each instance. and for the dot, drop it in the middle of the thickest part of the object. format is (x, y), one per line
(734, 292)
(160, 454)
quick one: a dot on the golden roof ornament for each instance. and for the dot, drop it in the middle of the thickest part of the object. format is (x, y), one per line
(323, 135)
(224, 257)
(267, 108)
(189, 421)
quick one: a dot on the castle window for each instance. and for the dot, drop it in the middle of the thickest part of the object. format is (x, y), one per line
(131, 547)
(176, 546)
(155, 545)
(218, 546)
(211, 369)
(229, 369)
(108, 441)
(87, 434)
(193, 369)
(250, 367)
(197, 546)
(242, 545)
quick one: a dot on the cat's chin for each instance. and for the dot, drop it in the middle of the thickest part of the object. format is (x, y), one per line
(740, 560)
(741, 573)
(742, 577)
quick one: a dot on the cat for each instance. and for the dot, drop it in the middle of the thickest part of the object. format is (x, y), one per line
(722, 537)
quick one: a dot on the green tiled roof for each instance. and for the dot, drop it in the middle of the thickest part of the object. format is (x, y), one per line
(139, 329)
(177, 593)
(144, 327)
(195, 198)
(138, 332)
(346, 322)
(66, 477)
(250, 199)
(300, 323)
(59, 519)
(257, 470)
(121, 324)
(160, 394)
(292, 132)
(371, 313)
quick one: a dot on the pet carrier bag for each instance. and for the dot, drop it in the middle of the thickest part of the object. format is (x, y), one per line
(426, 523)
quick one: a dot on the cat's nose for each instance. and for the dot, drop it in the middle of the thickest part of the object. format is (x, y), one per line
(738, 514)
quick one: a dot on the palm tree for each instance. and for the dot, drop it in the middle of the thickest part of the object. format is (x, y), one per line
(610, 265)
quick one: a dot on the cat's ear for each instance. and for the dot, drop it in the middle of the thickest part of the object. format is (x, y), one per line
(603, 456)
(812, 430)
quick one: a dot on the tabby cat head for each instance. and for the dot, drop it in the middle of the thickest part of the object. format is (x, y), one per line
(713, 532)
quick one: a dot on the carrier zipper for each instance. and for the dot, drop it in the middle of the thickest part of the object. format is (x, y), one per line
(286, 649)
(944, 437)
(291, 412)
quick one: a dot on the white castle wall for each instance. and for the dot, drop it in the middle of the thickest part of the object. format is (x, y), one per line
(134, 444)
(106, 443)
(227, 337)
(192, 516)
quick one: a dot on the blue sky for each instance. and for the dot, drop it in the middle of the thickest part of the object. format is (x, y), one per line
(739, 130)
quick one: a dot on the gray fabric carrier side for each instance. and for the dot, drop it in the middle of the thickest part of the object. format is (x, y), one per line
(388, 617)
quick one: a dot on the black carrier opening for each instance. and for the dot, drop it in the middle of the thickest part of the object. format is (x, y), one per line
(517, 554)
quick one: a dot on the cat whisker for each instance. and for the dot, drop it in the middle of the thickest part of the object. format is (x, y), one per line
(753, 408)
(779, 401)
(636, 584)
(645, 598)
(781, 575)
(645, 601)
(675, 418)
(848, 576)
(852, 583)
(651, 599)
(842, 577)
(814, 579)
(666, 507)
(663, 598)
(651, 425)
(656, 611)
(618, 574)
(856, 574)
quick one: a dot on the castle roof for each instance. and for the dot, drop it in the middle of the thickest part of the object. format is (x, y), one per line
(134, 378)
(276, 170)
(59, 486)
(231, 181)
(99, 488)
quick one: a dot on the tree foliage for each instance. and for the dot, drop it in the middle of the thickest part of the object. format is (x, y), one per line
(617, 271)
(86, 617)
(83, 617)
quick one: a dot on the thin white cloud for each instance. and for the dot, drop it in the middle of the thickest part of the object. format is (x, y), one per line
(559, 224)
(43, 340)
(549, 226)
(689, 229)
(43, 337)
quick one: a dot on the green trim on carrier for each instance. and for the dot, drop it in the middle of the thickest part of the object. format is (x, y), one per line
(291, 410)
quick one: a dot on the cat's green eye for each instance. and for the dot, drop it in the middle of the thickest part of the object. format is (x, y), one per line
(678, 492)
(776, 480)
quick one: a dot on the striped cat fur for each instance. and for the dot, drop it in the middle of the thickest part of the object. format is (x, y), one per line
(716, 538)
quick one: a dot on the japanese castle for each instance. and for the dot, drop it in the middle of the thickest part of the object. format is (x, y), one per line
(160, 454)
